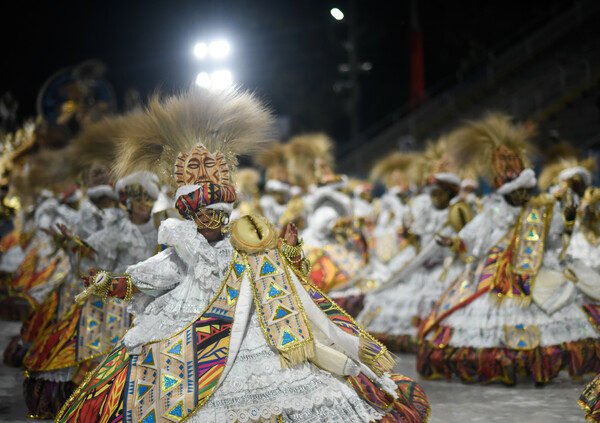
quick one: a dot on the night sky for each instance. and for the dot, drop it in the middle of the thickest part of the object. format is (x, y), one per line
(286, 51)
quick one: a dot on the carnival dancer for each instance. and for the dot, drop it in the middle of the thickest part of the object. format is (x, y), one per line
(512, 310)
(98, 196)
(226, 328)
(73, 345)
(397, 171)
(277, 190)
(392, 312)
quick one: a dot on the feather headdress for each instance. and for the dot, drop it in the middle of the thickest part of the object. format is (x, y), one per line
(231, 122)
(480, 143)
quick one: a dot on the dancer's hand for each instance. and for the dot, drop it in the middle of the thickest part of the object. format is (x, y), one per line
(88, 279)
(442, 240)
(67, 233)
(291, 234)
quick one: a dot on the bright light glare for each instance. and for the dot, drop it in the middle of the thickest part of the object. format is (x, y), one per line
(217, 80)
(219, 49)
(221, 79)
(203, 79)
(201, 50)
(337, 14)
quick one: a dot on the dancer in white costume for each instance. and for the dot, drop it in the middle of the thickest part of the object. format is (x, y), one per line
(76, 341)
(512, 310)
(392, 313)
(240, 369)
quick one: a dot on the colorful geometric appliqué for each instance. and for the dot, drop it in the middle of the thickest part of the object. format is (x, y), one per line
(95, 344)
(142, 389)
(287, 338)
(232, 295)
(112, 319)
(149, 418)
(168, 381)
(274, 291)
(267, 268)
(92, 323)
(149, 359)
(176, 412)
(238, 269)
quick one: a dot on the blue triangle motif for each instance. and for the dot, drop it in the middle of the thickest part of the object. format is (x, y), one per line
(522, 343)
(239, 269)
(95, 344)
(267, 268)
(528, 250)
(281, 312)
(233, 293)
(142, 389)
(111, 319)
(520, 326)
(114, 340)
(169, 382)
(526, 265)
(92, 323)
(98, 304)
(176, 350)
(150, 418)
(287, 338)
(177, 411)
(274, 291)
(149, 359)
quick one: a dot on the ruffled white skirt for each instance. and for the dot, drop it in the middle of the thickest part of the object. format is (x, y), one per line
(257, 388)
(481, 323)
(392, 311)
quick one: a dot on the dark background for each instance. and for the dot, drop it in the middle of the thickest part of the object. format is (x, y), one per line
(287, 51)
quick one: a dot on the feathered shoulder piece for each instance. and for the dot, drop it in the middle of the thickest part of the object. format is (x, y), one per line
(479, 143)
(227, 123)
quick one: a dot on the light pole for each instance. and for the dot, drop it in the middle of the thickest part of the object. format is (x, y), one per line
(212, 55)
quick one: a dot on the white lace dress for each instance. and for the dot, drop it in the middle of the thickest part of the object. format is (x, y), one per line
(481, 324)
(177, 285)
(393, 309)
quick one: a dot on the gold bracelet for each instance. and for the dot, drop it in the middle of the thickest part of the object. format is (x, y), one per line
(129, 294)
(292, 251)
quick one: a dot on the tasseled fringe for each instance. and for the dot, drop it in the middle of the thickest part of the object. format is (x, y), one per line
(297, 355)
(377, 357)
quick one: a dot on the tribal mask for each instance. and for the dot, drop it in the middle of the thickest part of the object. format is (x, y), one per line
(506, 164)
(201, 166)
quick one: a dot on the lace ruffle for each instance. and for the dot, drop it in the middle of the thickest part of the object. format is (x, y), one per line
(257, 387)
(481, 323)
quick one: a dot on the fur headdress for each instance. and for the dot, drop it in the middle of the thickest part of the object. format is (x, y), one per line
(497, 149)
(303, 152)
(273, 160)
(437, 164)
(387, 168)
(565, 168)
(192, 141)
